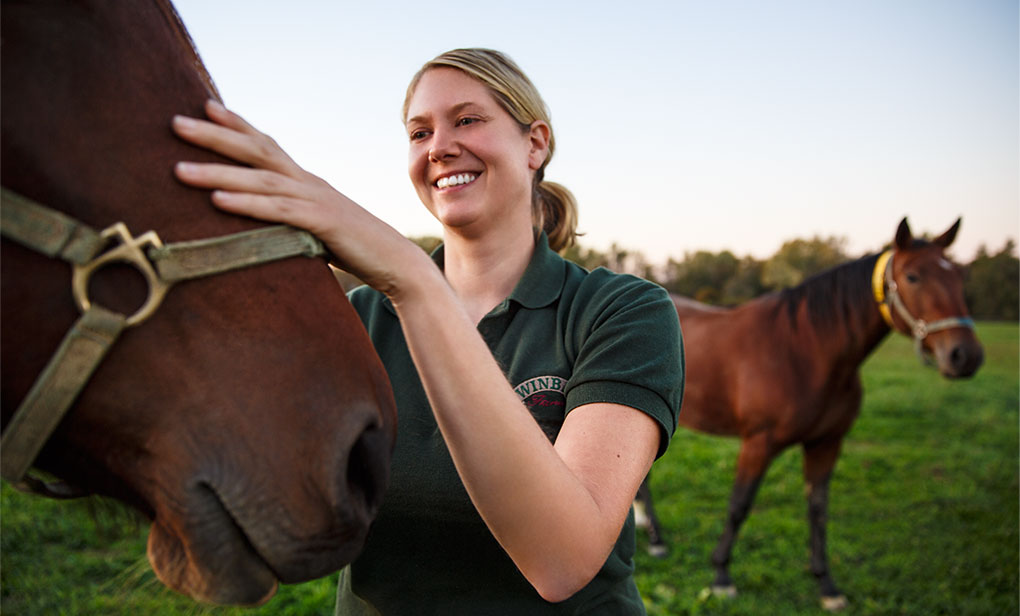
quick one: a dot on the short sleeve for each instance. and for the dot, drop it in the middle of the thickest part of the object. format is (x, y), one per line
(627, 349)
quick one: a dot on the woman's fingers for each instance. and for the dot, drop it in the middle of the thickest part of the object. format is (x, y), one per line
(234, 138)
(255, 150)
(236, 178)
(254, 192)
(270, 208)
(225, 117)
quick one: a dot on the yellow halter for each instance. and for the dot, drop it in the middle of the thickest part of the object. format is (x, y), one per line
(878, 286)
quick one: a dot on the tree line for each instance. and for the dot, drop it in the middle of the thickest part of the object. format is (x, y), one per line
(991, 280)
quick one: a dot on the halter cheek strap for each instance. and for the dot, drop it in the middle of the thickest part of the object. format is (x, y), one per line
(82, 351)
(888, 298)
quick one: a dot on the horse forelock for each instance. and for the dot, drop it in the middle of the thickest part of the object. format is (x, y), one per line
(86, 116)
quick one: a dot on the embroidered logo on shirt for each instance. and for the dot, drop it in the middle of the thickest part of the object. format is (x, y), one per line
(540, 384)
(544, 397)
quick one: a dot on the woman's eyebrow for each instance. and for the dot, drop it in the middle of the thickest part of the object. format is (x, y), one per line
(452, 111)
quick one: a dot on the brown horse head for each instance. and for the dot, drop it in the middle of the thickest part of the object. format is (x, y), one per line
(249, 417)
(934, 310)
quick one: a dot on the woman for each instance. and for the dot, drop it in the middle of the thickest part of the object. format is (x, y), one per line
(532, 396)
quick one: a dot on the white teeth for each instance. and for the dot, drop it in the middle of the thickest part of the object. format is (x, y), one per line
(456, 180)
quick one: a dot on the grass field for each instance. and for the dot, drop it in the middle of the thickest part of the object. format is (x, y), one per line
(923, 517)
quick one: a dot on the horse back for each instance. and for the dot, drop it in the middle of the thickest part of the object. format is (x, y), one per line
(755, 367)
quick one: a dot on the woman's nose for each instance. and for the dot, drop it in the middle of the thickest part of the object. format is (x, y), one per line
(444, 146)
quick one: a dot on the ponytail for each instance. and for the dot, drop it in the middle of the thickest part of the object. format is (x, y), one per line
(554, 210)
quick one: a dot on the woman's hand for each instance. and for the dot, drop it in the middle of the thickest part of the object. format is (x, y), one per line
(274, 188)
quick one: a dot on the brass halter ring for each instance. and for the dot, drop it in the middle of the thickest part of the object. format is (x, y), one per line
(130, 251)
(83, 348)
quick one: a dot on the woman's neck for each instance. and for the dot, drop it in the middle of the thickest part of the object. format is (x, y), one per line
(483, 272)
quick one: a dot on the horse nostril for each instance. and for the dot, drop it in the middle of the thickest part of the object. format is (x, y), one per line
(958, 358)
(965, 360)
(367, 468)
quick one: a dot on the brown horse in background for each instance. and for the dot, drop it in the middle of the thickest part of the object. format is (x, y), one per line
(783, 369)
(249, 418)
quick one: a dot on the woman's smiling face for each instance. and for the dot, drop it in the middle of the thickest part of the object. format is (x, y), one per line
(471, 163)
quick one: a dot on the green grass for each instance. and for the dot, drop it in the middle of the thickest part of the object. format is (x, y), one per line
(923, 517)
(68, 558)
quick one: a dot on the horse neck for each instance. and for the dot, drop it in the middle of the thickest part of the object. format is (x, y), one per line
(92, 137)
(838, 306)
(187, 46)
(88, 96)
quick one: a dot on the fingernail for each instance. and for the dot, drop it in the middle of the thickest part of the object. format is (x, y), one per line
(215, 104)
(185, 168)
(183, 121)
(222, 197)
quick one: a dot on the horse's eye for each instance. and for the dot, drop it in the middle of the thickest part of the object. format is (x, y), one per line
(913, 278)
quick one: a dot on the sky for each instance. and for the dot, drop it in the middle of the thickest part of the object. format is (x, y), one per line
(680, 126)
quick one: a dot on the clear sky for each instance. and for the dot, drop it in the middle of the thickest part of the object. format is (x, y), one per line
(680, 126)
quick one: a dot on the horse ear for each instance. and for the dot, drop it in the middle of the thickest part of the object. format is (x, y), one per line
(947, 238)
(904, 239)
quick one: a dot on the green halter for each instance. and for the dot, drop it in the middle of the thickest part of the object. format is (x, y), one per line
(82, 350)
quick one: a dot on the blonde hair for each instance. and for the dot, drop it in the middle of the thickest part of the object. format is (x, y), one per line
(553, 207)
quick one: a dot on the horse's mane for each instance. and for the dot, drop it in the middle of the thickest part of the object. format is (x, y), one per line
(177, 26)
(833, 296)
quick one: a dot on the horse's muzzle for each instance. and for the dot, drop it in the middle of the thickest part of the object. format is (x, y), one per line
(960, 360)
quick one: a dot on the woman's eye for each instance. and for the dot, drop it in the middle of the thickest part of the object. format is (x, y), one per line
(466, 121)
(418, 135)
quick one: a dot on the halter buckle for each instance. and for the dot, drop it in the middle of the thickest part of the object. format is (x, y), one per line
(130, 251)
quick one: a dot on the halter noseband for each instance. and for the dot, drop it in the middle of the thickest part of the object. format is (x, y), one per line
(887, 295)
(82, 350)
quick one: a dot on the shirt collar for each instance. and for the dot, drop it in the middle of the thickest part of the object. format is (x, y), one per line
(538, 287)
(543, 278)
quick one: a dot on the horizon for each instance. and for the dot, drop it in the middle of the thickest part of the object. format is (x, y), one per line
(725, 126)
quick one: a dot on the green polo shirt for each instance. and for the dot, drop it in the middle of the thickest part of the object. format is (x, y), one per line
(565, 337)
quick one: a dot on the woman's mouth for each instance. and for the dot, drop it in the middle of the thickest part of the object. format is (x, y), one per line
(456, 180)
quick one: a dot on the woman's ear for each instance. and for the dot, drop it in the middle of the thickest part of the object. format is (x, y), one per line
(539, 138)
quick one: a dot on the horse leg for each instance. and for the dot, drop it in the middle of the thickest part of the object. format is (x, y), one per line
(819, 460)
(755, 455)
(644, 516)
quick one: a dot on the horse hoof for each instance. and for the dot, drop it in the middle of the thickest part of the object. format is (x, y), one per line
(658, 551)
(725, 592)
(834, 604)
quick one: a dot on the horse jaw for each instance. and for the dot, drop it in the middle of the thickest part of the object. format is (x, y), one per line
(223, 571)
(229, 538)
